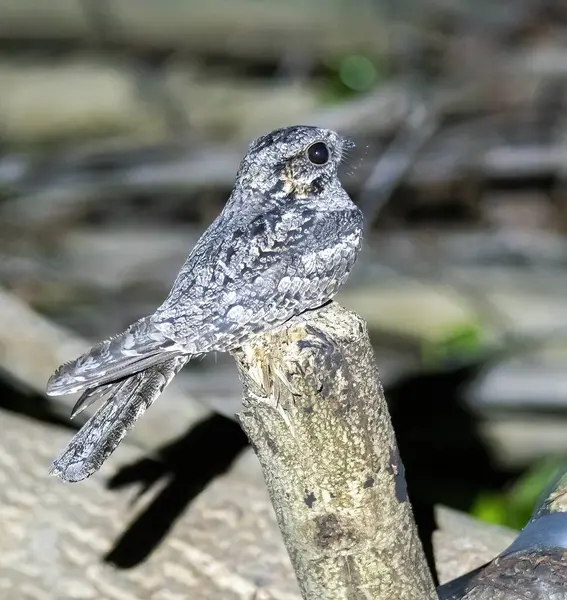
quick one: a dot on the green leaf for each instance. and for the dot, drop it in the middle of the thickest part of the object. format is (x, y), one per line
(358, 72)
(460, 340)
(490, 507)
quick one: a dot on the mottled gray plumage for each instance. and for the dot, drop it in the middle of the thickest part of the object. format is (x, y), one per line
(284, 243)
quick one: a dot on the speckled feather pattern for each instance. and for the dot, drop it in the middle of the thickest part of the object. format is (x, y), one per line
(285, 242)
(101, 434)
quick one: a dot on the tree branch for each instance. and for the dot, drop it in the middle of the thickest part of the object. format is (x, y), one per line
(316, 415)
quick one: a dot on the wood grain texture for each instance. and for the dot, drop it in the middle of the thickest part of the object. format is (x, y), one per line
(462, 543)
(226, 546)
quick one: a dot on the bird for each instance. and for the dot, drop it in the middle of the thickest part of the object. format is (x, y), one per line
(284, 243)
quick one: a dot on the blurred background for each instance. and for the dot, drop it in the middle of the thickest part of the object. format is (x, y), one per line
(121, 128)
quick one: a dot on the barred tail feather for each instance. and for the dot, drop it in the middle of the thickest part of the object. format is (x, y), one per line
(104, 431)
(139, 347)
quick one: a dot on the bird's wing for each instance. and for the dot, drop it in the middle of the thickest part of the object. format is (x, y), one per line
(258, 274)
(137, 348)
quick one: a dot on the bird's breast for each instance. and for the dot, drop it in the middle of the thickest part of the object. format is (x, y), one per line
(338, 253)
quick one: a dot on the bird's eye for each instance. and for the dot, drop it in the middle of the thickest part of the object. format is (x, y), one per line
(318, 153)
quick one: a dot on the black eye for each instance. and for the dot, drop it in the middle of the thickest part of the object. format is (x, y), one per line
(318, 153)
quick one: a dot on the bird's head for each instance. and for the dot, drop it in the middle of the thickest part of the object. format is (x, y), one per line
(298, 161)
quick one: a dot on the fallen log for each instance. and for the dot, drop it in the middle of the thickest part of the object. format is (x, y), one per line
(57, 540)
(226, 545)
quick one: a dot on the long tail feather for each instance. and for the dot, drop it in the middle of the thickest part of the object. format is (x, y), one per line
(91, 395)
(104, 431)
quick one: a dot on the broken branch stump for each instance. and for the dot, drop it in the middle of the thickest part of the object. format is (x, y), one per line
(315, 413)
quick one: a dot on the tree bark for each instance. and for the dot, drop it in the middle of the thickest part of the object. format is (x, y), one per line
(315, 413)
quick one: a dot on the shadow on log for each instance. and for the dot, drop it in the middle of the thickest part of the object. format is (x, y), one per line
(185, 479)
(315, 412)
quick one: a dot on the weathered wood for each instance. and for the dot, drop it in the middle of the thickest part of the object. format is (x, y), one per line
(225, 546)
(54, 536)
(316, 414)
(462, 543)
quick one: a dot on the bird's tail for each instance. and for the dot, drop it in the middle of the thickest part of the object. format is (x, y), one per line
(127, 400)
